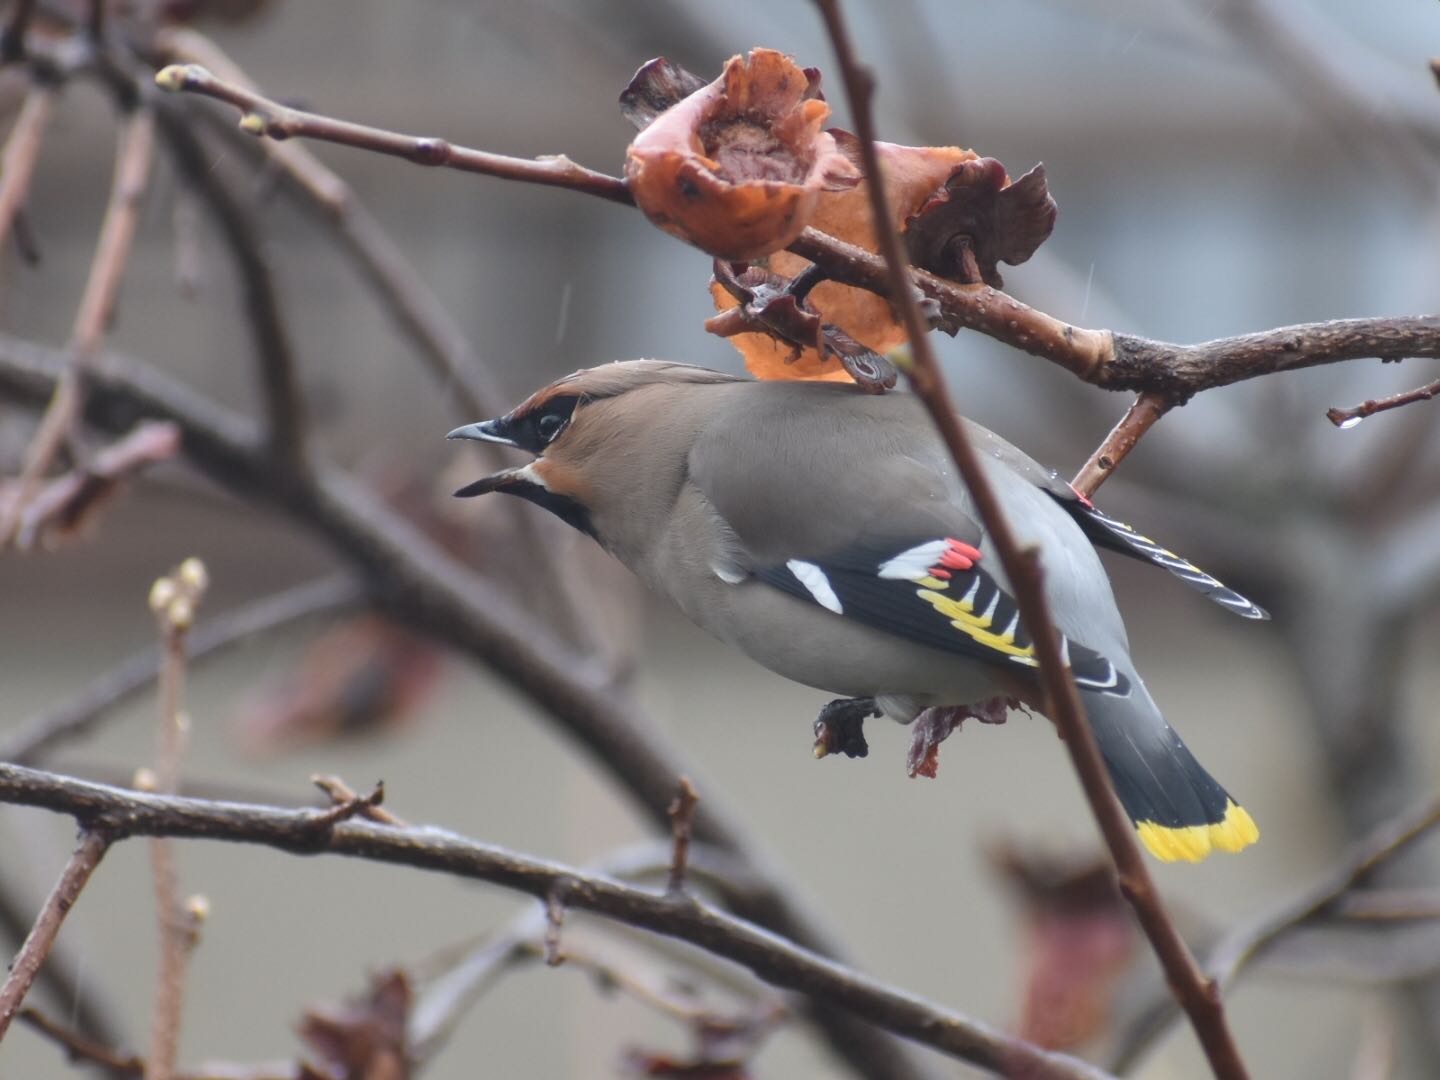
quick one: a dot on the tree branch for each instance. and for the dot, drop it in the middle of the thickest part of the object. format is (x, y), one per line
(263, 116)
(120, 814)
(1105, 359)
(22, 151)
(418, 584)
(134, 153)
(1199, 997)
(1138, 419)
(1234, 952)
(93, 845)
(1345, 418)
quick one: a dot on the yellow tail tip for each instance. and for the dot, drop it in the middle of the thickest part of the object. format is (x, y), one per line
(1191, 843)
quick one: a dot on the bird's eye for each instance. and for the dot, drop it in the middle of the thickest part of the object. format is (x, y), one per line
(549, 426)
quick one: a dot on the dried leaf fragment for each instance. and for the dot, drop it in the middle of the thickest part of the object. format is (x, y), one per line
(655, 87)
(364, 1039)
(738, 166)
(937, 723)
(978, 219)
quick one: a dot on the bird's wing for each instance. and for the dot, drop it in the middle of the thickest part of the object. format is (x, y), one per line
(859, 512)
(933, 593)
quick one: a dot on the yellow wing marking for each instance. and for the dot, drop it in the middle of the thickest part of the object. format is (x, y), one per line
(962, 617)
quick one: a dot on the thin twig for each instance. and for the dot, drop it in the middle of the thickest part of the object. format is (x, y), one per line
(344, 796)
(1234, 953)
(1199, 997)
(265, 117)
(1138, 419)
(91, 1012)
(398, 285)
(265, 320)
(682, 821)
(133, 156)
(1344, 418)
(78, 1048)
(22, 151)
(423, 587)
(87, 856)
(174, 600)
(32, 739)
(777, 961)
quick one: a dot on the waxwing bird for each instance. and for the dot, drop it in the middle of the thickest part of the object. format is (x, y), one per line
(824, 532)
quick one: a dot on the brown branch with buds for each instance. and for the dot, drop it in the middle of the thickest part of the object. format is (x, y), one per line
(1198, 996)
(174, 599)
(119, 814)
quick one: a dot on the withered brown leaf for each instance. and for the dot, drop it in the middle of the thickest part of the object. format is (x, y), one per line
(977, 219)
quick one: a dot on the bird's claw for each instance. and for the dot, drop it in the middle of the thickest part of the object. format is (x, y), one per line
(840, 727)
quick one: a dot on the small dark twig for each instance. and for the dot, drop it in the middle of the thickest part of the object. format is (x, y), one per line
(1344, 418)
(554, 924)
(345, 798)
(78, 1048)
(93, 845)
(1197, 995)
(1138, 419)
(262, 116)
(682, 820)
(362, 806)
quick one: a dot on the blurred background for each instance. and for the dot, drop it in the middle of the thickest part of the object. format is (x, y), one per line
(1210, 183)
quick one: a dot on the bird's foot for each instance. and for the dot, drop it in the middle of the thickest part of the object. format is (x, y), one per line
(840, 728)
(939, 722)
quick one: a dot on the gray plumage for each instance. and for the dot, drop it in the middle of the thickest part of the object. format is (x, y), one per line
(784, 518)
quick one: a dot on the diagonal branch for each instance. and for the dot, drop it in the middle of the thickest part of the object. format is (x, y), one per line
(1199, 997)
(133, 156)
(22, 151)
(125, 814)
(93, 845)
(1138, 419)
(424, 587)
(30, 740)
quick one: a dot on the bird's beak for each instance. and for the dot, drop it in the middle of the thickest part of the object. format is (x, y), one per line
(512, 480)
(496, 431)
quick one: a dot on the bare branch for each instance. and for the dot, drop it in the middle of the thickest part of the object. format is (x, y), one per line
(93, 845)
(133, 155)
(422, 586)
(173, 600)
(22, 148)
(263, 116)
(1199, 997)
(1138, 419)
(397, 283)
(1234, 953)
(1345, 418)
(31, 739)
(682, 821)
(123, 814)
